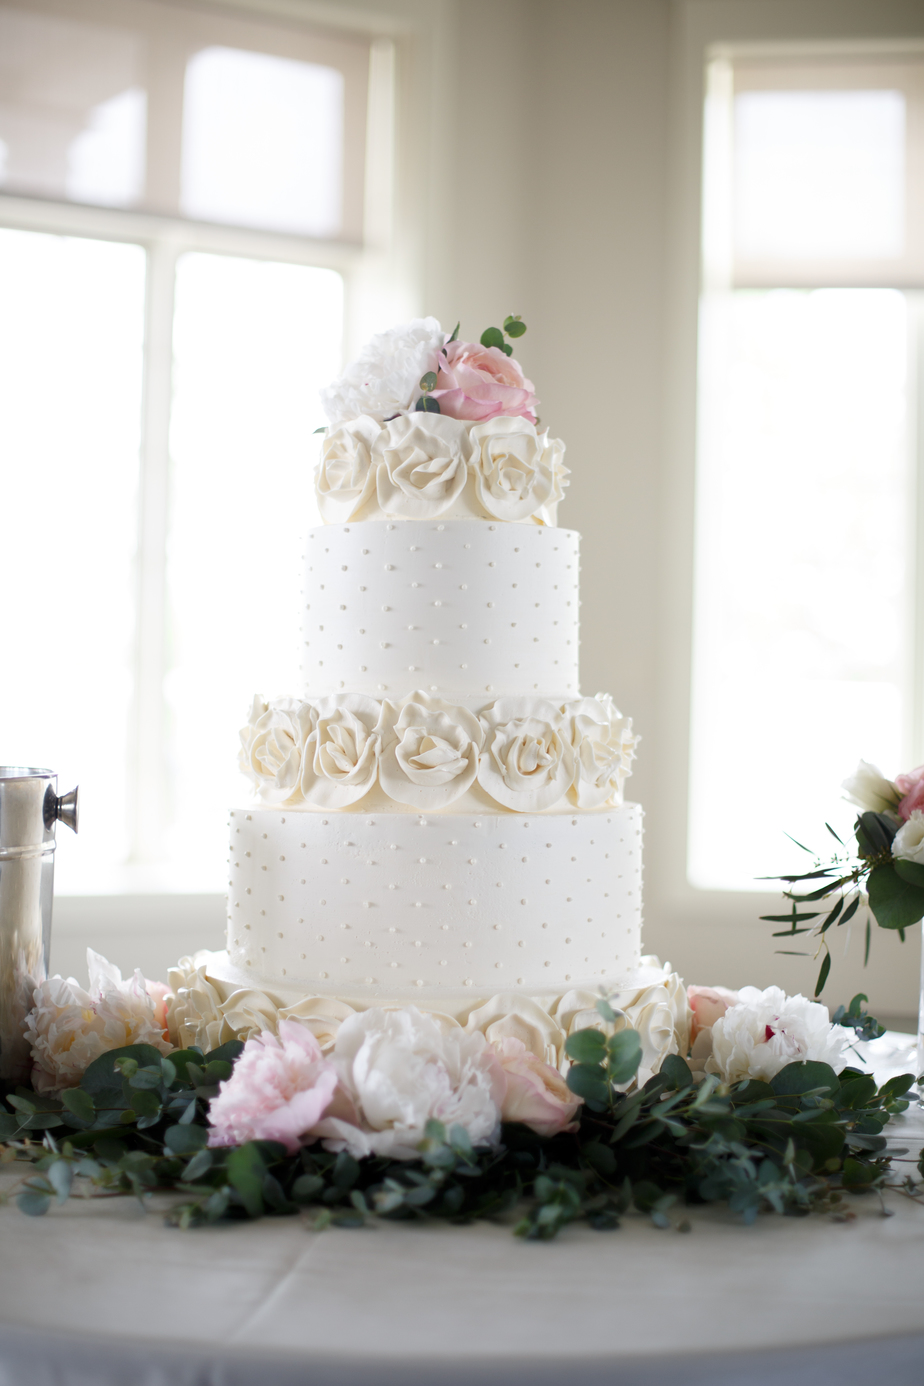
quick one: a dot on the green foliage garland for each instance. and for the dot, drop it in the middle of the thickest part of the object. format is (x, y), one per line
(138, 1124)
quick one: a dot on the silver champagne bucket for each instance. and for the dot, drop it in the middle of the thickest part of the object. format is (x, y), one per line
(29, 809)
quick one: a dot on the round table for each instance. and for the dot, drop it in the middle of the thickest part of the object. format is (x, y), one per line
(101, 1293)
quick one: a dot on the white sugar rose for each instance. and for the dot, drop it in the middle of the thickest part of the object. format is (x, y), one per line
(399, 1069)
(512, 1016)
(344, 478)
(528, 761)
(604, 749)
(68, 1027)
(421, 465)
(429, 752)
(385, 377)
(766, 1030)
(518, 471)
(272, 745)
(341, 759)
(869, 789)
(194, 1015)
(908, 842)
(323, 1016)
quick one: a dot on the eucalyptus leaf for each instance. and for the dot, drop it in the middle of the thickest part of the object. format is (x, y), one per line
(185, 1140)
(895, 902)
(492, 337)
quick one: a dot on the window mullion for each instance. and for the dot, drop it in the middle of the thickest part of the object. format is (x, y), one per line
(148, 782)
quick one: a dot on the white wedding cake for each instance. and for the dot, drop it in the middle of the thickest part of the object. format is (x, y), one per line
(438, 816)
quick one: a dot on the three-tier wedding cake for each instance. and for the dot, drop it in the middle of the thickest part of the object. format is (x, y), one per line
(438, 817)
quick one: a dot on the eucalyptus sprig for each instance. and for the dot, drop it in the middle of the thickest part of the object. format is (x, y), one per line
(138, 1123)
(888, 889)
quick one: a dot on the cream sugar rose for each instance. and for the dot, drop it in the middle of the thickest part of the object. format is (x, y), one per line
(438, 817)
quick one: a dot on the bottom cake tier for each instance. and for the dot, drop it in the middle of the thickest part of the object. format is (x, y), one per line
(388, 907)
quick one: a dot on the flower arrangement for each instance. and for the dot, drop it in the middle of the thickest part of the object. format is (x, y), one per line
(883, 877)
(422, 423)
(393, 1115)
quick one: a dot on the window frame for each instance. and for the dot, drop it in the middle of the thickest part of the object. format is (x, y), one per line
(717, 936)
(383, 271)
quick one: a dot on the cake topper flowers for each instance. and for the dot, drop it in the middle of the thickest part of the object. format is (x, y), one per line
(419, 367)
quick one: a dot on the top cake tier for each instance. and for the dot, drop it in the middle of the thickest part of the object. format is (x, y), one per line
(427, 466)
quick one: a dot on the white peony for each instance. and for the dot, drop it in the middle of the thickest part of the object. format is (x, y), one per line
(518, 471)
(68, 1027)
(528, 762)
(345, 477)
(341, 759)
(385, 377)
(430, 752)
(767, 1030)
(272, 745)
(869, 789)
(422, 465)
(908, 842)
(399, 1070)
(604, 749)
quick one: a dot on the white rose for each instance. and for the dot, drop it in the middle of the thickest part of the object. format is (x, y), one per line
(341, 757)
(908, 842)
(68, 1027)
(385, 377)
(518, 472)
(511, 1016)
(869, 789)
(429, 752)
(604, 749)
(767, 1030)
(344, 478)
(527, 762)
(400, 1070)
(272, 745)
(422, 465)
(652, 1016)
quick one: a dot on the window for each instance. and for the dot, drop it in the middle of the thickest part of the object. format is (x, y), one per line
(183, 209)
(805, 623)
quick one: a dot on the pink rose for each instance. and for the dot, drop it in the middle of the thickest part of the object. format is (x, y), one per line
(708, 1005)
(479, 383)
(911, 786)
(279, 1089)
(536, 1095)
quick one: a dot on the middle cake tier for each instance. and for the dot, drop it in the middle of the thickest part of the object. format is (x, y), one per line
(462, 610)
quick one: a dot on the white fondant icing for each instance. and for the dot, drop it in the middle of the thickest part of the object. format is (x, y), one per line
(420, 465)
(528, 760)
(465, 610)
(519, 472)
(369, 905)
(425, 753)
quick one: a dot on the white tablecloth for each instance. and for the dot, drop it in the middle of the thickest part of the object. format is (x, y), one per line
(100, 1294)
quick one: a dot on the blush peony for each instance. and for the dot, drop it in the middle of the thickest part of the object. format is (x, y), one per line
(478, 383)
(280, 1087)
(68, 1027)
(537, 1095)
(766, 1030)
